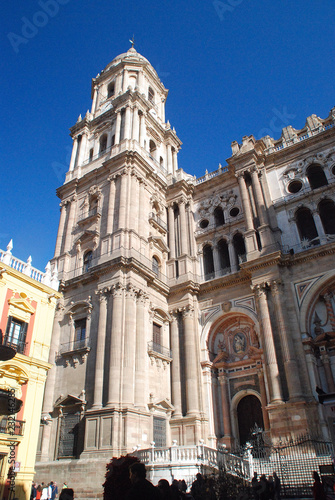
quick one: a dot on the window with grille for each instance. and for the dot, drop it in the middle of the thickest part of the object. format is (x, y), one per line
(68, 436)
(80, 329)
(159, 433)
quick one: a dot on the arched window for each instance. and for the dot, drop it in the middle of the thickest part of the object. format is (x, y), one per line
(327, 215)
(110, 90)
(151, 95)
(306, 225)
(152, 146)
(224, 255)
(218, 217)
(161, 162)
(316, 176)
(103, 143)
(88, 260)
(208, 262)
(155, 265)
(239, 247)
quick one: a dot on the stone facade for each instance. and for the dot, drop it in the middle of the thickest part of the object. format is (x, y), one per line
(193, 308)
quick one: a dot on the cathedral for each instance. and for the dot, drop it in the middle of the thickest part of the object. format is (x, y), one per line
(193, 309)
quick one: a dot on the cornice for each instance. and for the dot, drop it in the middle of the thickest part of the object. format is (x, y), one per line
(262, 262)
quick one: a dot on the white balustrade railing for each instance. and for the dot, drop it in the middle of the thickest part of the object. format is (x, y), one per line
(197, 455)
(48, 278)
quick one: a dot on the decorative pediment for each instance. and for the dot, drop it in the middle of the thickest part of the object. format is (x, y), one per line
(22, 304)
(162, 405)
(69, 400)
(85, 237)
(159, 242)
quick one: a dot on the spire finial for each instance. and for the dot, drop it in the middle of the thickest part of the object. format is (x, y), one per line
(132, 41)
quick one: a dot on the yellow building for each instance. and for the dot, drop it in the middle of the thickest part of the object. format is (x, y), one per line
(27, 306)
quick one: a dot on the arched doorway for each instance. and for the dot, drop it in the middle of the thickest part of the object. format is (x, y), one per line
(249, 413)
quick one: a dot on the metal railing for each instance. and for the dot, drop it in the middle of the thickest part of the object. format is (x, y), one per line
(158, 220)
(89, 213)
(154, 347)
(9, 425)
(18, 346)
(75, 345)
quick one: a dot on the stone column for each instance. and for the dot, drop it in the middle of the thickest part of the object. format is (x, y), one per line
(190, 222)
(289, 357)
(175, 367)
(125, 80)
(136, 126)
(111, 202)
(169, 158)
(142, 130)
(245, 202)
(128, 380)
(172, 244)
(95, 99)
(329, 306)
(70, 224)
(118, 127)
(74, 153)
(263, 399)
(123, 200)
(114, 379)
(48, 403)
(61, 226)
(127, 124)
(216, 260)
(175, 162)
(141, 351)
(191, 363)
(268, 346)
(258, 197)
(100, 352)
(133, 196)
(327, 368)
(82, 151)
(225, 405)
(183, 229)
(232, 256)
(319, 226)
(141, 206)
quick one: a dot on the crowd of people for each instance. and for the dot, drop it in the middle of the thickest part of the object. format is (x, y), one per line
(49, 491)
(263, 488)
(266, 488)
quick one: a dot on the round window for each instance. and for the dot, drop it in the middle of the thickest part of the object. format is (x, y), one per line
(234, 212)
(294, 186)
(204, 223)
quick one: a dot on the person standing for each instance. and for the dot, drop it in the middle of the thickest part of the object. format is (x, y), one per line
(276, 486)
(44, 495)
(33, 491)
(317, 488)
(54, 491)
(141, 488)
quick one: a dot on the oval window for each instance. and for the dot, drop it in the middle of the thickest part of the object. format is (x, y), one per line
(204, 223)
(234, 212)
(294, 186)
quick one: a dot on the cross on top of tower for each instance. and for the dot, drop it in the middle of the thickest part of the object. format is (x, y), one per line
(132, 41)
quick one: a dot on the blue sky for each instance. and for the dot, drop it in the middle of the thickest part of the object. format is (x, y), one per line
(233, 68)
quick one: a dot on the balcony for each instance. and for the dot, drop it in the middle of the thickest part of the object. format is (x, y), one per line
(18, 346)
(89, 214)
(11, 426)
(74, 352)
(159, 354)
(157, 222)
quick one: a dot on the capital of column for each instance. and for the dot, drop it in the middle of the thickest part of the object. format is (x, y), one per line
(131, 292)
(112, 178)
(102, 295)
(187, 312)
(259, 290)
